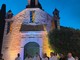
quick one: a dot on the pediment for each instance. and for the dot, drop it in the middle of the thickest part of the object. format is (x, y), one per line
(41, 17)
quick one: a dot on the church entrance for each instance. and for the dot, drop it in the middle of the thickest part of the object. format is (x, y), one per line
(30, 49)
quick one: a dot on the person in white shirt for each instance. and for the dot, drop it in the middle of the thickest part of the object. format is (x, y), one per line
(28, 58)
(70, 57)
(45, 57)
(18, 57)
(53, 56)
(37, 57)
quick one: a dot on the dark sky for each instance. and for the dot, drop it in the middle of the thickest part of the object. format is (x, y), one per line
(69, 9)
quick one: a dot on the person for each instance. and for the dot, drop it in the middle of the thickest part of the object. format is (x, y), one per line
(76, 58)
(45, 57)
(53, 56)
(18, 57)
(28, 58)
(37, 57)
(62, 57)
(70, 57)
(1, 55)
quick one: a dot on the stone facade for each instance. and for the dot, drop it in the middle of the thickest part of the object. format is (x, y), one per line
(15, 40)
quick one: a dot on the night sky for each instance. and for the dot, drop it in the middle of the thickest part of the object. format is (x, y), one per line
(69, 9)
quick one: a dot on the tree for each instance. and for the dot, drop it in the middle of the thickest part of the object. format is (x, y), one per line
(2, 23)
(65, 40)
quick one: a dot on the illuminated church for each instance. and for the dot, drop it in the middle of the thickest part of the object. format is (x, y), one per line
(27, 32)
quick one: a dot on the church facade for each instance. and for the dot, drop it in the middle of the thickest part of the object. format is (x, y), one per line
(27, 32)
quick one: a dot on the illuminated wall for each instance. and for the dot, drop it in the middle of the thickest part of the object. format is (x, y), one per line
(12, 41)
(46, 46)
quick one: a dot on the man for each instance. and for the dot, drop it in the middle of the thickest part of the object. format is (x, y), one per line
(53, 56)
(18, 57)
(45, 57)
(70, 57)
(62, 57)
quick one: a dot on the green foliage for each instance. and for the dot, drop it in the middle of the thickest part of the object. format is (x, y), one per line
(65, 40)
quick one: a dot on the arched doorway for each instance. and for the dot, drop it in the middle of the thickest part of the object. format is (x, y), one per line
(31, 49)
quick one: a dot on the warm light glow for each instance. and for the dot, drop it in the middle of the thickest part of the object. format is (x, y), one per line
(33, 16)
(46, 46)
(14, 38)
(11, 26)
(53, 25)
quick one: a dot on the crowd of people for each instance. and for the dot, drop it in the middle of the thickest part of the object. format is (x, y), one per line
(53, 56)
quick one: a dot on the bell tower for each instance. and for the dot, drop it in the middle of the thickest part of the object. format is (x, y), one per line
(56, 19)
(33, 4)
